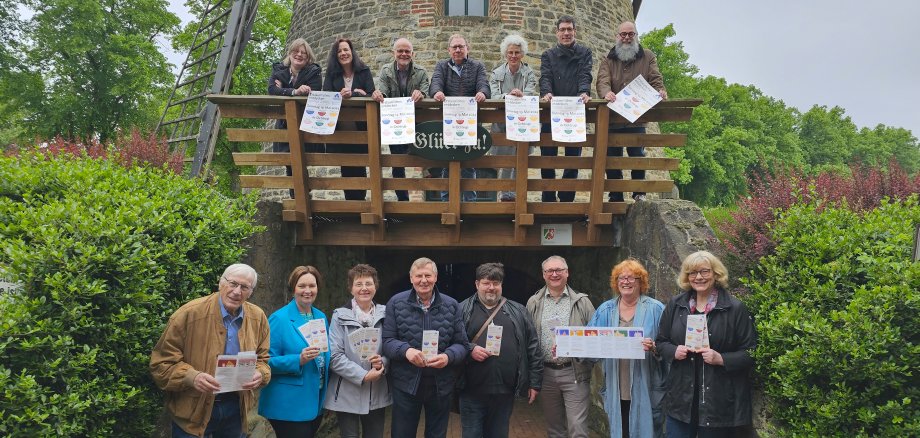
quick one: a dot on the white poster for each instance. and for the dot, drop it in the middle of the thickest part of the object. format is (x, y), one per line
(397, 121)
(322, 112)
(600, 342)
(233, 371)
(635, 99)
(314, 332)
(567, 114)
(522, 117)
(459, 121)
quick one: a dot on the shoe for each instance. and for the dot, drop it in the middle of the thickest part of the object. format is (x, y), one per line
(639, 198)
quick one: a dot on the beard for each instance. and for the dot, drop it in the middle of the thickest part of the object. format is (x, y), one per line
(627, 52)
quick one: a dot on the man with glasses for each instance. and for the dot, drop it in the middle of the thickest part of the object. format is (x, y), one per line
(566, 382)
(565, 70)
(459, 75)
(402, 78)
(491, 380)
(183, 360)
(627, 60)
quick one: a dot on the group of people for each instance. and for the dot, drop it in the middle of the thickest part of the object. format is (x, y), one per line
(565, 70)
(432, 348)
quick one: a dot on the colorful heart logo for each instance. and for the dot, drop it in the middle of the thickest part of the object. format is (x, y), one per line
(534, 118)
(580, 119)
(471, 134)
(626, 93)
(333, 114)
(330, 124)
(460, 134)
(568, 131)
(319, 123)
(627, 106)
(534, 129)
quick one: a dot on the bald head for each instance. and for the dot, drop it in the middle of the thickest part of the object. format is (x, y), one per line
(402, 52)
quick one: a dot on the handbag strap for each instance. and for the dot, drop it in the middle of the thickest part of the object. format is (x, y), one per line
(491, 317)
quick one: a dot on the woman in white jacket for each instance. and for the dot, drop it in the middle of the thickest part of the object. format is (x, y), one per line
(358, 390)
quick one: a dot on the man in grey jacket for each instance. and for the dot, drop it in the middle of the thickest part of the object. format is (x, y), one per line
(565, 396)
(402, 78)
(513, 365)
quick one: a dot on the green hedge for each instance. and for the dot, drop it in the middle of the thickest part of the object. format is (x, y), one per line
(105, 255)
(837, 309)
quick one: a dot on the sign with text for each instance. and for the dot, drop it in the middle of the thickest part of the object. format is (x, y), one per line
(556, 234)
(429, 143)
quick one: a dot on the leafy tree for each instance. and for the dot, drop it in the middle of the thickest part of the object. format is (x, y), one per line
(88, 68)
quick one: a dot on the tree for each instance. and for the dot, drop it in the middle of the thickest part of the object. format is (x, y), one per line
(88, 68)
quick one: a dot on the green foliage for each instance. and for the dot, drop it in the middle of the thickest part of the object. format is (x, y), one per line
(105, 255)
(837, 307)
(87, 69)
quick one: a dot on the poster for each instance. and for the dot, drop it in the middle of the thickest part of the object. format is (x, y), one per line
(322, 112)
(635, 99)
(459, 121)
(600, 342)
(522, 117)
(397, 121)
(567, 117)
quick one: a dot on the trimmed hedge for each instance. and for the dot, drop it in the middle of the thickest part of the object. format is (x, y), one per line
(837, 307)
(105, 255)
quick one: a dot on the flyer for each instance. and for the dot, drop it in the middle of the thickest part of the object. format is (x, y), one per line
(697, 332)
(430, 343)
(567, 117)
(494, 339)
(635, 99)
(397, 121)
(322, 112)
(600, 342)
(459, 115)
(522, 117)
(365, 341)
(314, 332)
(235, 370)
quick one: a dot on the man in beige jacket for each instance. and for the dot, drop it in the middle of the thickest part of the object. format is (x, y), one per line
(184, 360)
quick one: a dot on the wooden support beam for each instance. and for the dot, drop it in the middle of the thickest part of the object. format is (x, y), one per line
(376, 171)
(370, 219)
(449, 219)
(523, 219)
(298, 170)
(597, 183)
(453, 203)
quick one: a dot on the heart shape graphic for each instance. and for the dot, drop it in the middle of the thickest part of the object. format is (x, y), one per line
(319, 123)
(471, 134)
(333, 114)
(322, 113)
(533, 118)
(534, 129)
(460, 122)
(568, 120)
(448, 121)
(627, 93)
(330, 124)
(460, 134)
(397, 132)
(627, 106)
(471, 121)
(635, 99)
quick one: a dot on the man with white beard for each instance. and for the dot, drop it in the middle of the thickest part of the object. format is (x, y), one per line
(627, 60)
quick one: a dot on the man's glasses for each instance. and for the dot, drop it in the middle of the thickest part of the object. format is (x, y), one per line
(233, 285)
(555, 271)
(458, 47)
(627, 34)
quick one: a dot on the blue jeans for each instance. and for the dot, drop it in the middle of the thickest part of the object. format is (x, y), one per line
(465, 172)
(400, 172)
(486, 416)
(551, 173)
(679, 429)
(225, 421)
(407, 409)
(636, 151)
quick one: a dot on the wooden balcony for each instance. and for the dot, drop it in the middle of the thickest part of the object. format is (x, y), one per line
(377, 222)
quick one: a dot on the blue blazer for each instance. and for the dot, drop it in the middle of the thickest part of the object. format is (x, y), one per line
(293, 393)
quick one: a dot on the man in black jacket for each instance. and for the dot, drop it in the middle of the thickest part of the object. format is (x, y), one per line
(565, 70)
(491, 380)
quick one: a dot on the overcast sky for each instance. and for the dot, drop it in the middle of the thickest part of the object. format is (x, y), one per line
(860, 55)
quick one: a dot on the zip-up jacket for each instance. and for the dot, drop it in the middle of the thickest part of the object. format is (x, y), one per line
(348, 391)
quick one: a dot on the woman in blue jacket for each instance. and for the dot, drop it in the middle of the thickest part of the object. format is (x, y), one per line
(633, 388)
(293, 400)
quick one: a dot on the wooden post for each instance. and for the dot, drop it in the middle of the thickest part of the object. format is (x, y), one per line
(598, 173)
(298, 171)
(522, 219)
(376, 172)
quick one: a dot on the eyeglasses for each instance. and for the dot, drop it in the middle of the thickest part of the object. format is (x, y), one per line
(403, 51)
(627, 279)
(705, 273)
(627, 34)
(458, 47)
(565, 29)
(233, 285)
(555, 271)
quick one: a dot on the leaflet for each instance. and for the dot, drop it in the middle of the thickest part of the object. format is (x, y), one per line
(365, 341)
(322, 112)
(430, 343)
(567, 117)
(494, 339)
(314, 332)
(459, 121)
(600, 342)
(397, 121)
(235, 370)
(635, 99)
(697, 332)
(522, 116)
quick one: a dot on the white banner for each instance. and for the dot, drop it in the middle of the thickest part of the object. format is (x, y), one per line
(397, 121)
(459, 121)
(322, 112)
(567, 116)
(522, 117)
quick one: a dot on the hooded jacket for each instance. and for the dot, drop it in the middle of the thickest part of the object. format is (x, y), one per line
(582, 312)
(348, 390)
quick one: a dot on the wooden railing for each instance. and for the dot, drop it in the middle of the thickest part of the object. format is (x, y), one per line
(451, 223)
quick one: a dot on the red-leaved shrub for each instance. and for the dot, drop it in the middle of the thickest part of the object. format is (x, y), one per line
(747, 235)
(130, 150)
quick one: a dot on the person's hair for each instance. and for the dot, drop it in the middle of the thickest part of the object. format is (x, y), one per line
(513, 40)
(332, 64)
(491, 271)
(241, 269)
(455, 36)
(297, 44)
(360, 271)
(300, 271)
(396, 40)
(565, 19)
(421, 262)
(543, 265)
(636, 268)
(695, 261)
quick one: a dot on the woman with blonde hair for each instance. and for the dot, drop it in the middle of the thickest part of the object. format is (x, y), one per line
(632, 387)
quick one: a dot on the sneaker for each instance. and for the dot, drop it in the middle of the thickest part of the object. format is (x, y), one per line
(639, 198)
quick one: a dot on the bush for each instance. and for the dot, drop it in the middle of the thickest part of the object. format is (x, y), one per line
(837, 308)
(105, 255)
(747, 235)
